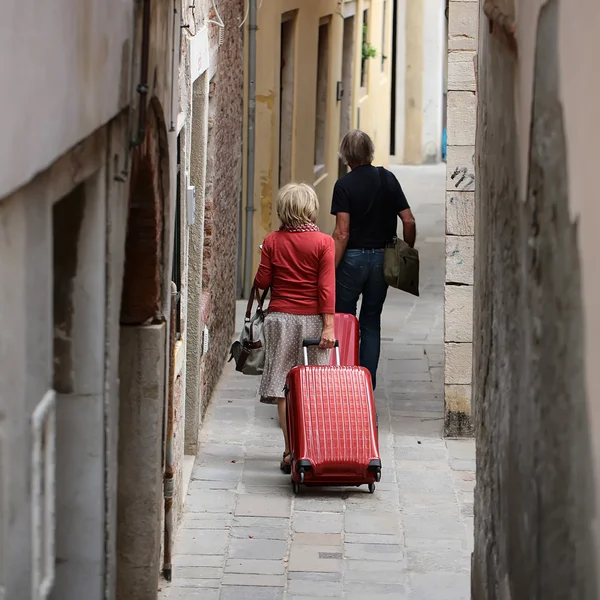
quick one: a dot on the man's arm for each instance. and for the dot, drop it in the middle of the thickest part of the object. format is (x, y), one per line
(409, 227)
(341, 233)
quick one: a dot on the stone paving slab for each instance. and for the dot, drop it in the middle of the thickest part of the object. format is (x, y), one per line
(245, 536)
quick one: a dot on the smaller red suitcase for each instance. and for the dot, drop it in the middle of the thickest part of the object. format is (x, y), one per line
(347, 331)
(332, 425)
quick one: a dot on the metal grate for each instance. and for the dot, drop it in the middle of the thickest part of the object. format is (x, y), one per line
(43, 423)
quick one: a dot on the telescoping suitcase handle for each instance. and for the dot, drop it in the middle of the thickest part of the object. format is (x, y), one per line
(316, 342)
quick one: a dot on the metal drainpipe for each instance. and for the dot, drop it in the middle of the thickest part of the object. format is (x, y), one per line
(169, 477)
(248, 255)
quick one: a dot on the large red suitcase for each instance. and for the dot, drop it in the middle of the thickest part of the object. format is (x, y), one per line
(332, 425)
(347, 332)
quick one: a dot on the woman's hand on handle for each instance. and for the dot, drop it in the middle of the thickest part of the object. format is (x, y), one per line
(328, 334)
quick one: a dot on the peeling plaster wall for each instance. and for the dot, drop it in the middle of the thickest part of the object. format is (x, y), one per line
(460, 193)
(537, 330)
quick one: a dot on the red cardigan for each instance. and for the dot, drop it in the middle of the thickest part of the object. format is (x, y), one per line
(299, 267)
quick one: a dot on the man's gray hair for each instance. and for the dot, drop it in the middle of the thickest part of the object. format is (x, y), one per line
(357, 148)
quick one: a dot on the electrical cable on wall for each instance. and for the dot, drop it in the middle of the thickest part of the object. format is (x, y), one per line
(192, 7)
(248, 9)
(218, 23)
(246, 15)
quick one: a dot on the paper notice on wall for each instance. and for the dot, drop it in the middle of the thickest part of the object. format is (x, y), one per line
(199, 53)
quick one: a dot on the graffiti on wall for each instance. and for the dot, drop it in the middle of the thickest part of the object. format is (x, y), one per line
(465, 180)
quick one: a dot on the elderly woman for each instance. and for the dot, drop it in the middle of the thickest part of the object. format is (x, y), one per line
(298, 264)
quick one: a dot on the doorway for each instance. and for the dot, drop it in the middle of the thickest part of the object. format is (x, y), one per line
(286, 97)
(347, 71)
(78, 257)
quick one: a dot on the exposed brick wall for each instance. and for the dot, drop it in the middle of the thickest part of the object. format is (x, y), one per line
(143, 247)
(178, 405)
(222, 200)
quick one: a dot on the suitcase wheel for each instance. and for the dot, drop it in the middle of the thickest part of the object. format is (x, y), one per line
(295, 487)
(378, 475)
(371, 488)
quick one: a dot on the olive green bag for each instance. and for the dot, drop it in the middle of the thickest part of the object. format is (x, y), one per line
(401, 262)
(401, 267)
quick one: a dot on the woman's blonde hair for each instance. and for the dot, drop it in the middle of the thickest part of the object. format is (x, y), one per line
(297, 204)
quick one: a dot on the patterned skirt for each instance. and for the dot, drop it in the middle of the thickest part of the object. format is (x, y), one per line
(283, 341)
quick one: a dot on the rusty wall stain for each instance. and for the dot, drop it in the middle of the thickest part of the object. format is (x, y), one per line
(268, 100)
(266, 200)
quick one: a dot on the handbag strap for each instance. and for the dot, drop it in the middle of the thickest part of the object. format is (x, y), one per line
(383, 179)
(255, 294)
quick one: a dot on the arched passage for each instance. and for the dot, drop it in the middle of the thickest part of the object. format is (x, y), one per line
(144, 245)
(142, 366)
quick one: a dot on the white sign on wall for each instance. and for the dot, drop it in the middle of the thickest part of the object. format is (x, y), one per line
(199, 53)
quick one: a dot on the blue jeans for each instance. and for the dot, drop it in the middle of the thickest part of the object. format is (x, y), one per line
(361, 272)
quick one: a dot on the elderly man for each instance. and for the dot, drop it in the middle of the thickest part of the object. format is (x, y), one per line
(366, 203)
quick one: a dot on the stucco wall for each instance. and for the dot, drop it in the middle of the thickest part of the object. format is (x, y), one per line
(536, 388)
(63, 125)
(372, 103)
(87, 407)
(460, 190)
(66, 78)
(308, 15)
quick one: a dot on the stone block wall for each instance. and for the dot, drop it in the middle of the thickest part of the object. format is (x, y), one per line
(460, 192)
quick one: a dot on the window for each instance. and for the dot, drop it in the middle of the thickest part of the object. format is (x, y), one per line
(347, 68)
(384, 34)
(321, 101)
(366, 51)
(286, 96)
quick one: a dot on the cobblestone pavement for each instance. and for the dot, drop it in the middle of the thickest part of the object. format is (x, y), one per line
(245, 535)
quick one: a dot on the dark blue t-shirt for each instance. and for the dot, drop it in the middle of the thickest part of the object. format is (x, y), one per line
(373, 211)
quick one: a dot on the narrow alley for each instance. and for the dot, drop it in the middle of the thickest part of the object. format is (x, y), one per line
(244, 535)
(146, 154)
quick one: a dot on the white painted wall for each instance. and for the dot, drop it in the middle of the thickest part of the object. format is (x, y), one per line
(64, 70)
(430, 38)
(433, 78)
(400, 123)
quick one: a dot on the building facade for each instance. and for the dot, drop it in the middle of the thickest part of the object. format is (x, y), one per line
(419, 81)
(85, 194)
(323, 68)
(537, 327)
(119, 195)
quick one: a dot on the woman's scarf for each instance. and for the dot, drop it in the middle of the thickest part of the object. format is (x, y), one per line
(299, 228)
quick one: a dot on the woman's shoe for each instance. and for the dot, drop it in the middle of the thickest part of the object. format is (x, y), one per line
(286, 465)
